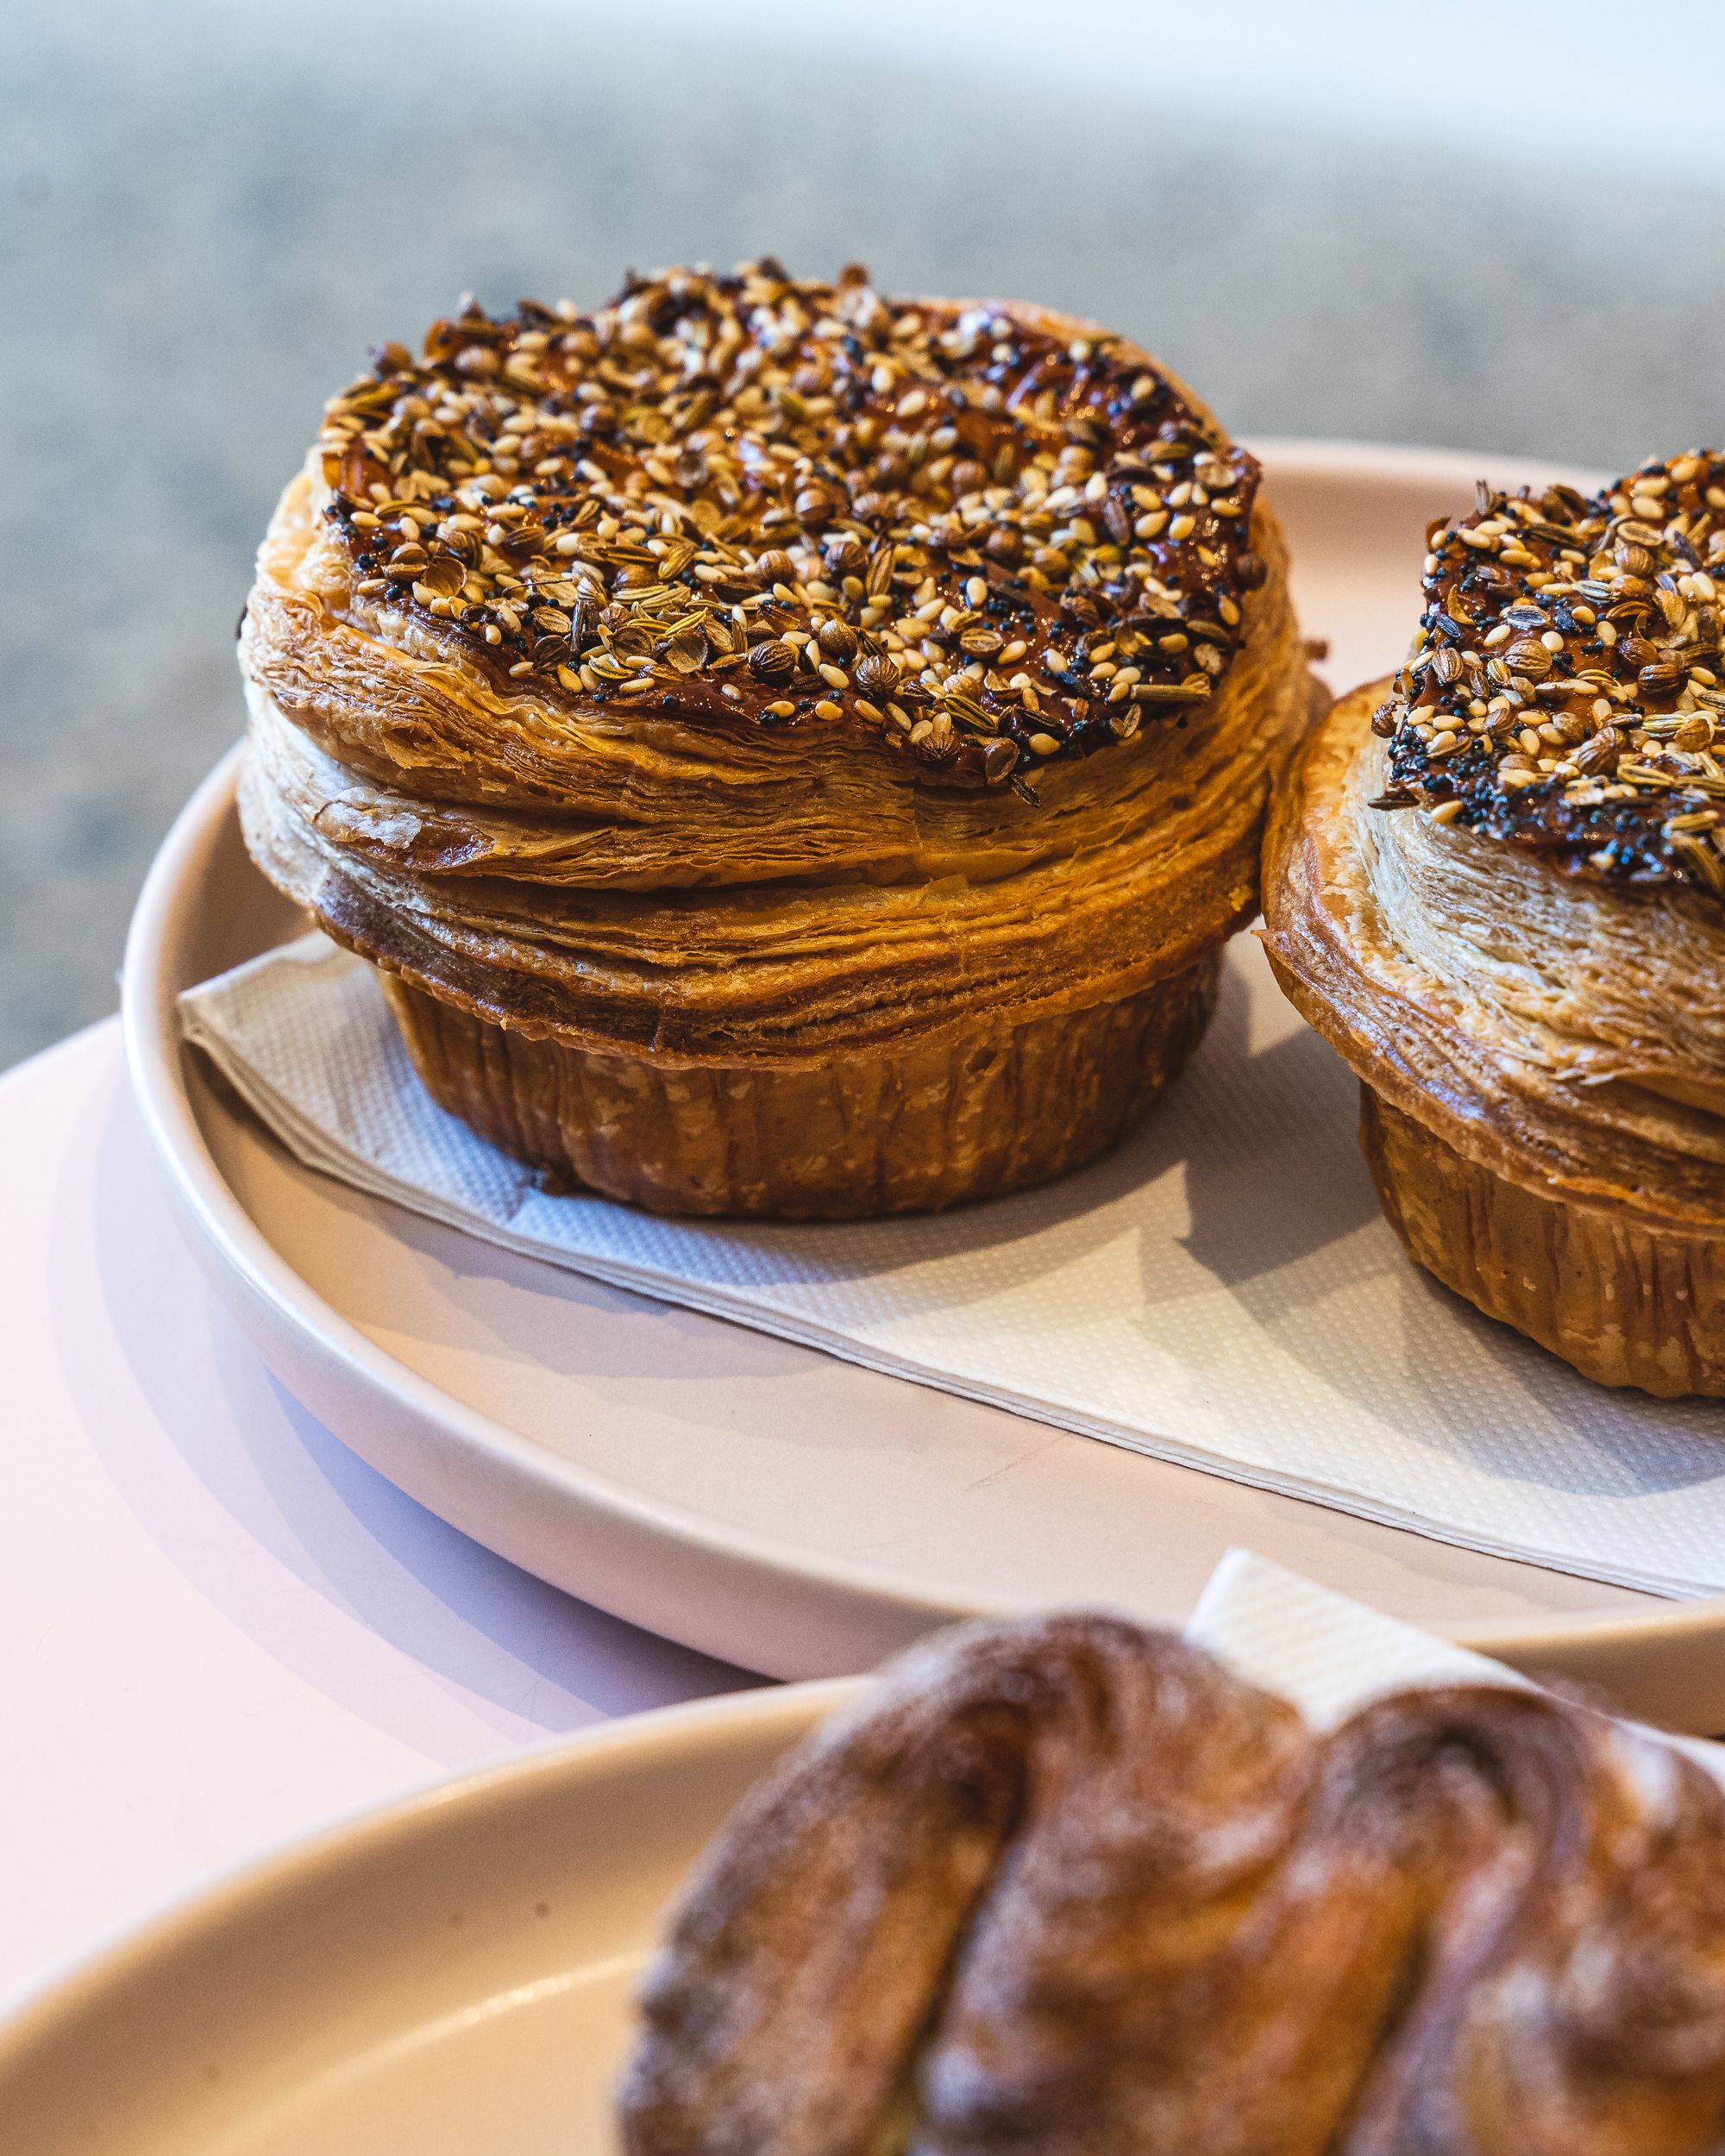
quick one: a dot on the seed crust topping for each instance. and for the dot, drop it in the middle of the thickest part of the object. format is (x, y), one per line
(1565, 690)
(751, 499)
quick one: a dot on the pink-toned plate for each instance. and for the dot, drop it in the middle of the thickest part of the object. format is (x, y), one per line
(449, 1976)
(755, 1498)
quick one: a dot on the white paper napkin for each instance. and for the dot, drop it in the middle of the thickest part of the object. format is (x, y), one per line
(1222, 1292)
(1323, 1651)
(1329, 1655)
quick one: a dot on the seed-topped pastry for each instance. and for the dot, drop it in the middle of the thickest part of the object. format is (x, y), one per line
(1500, 891)
(790, 751)
(1566, 690)
(1022, 539)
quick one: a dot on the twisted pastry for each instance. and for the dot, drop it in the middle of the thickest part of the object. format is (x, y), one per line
(1066, 1886)
(789, 751)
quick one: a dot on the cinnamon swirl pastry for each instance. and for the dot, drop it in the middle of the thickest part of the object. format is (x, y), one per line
(1497, 886)
(789, 751)
(1067, 1885)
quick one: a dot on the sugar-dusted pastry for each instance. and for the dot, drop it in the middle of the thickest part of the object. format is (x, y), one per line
(1497, 886)
(1066, 1888)
(789, 751)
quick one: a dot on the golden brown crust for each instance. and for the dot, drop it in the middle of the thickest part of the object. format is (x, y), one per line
(1560, 1038)
(732, 908)
(1066, 1886)
(1129, 870)
(913, 1127)
(1625, 1304)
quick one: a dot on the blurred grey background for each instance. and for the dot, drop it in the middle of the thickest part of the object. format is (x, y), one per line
(1482, 233)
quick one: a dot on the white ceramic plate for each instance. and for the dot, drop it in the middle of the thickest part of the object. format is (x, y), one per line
(757, 1499)
(449, 1977)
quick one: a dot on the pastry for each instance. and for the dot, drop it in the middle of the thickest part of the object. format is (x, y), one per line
(1065, 1885)
(1497, 884)
(789, 752)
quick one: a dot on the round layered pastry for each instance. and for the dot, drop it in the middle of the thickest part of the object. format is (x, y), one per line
(1067, 1888)
(788, 751)
(1497, 886)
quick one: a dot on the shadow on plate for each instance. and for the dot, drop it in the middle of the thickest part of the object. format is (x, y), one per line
(217, 1430)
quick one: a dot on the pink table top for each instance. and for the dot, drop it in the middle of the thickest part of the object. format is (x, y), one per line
(222, 1631)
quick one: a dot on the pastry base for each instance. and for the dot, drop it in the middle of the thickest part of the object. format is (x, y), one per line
(1624, 1303)
(971, 1114)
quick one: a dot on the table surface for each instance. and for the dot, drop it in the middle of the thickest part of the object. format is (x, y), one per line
(222, 1630)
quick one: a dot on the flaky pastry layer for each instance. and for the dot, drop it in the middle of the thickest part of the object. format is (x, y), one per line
(679, 928)
(1568, 1036)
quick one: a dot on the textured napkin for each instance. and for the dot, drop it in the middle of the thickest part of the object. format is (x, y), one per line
(1323, 1651)
(1329, 1655)
(1222, 1292)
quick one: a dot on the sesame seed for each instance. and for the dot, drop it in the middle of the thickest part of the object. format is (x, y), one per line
(1596, 729)
(579, 464)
